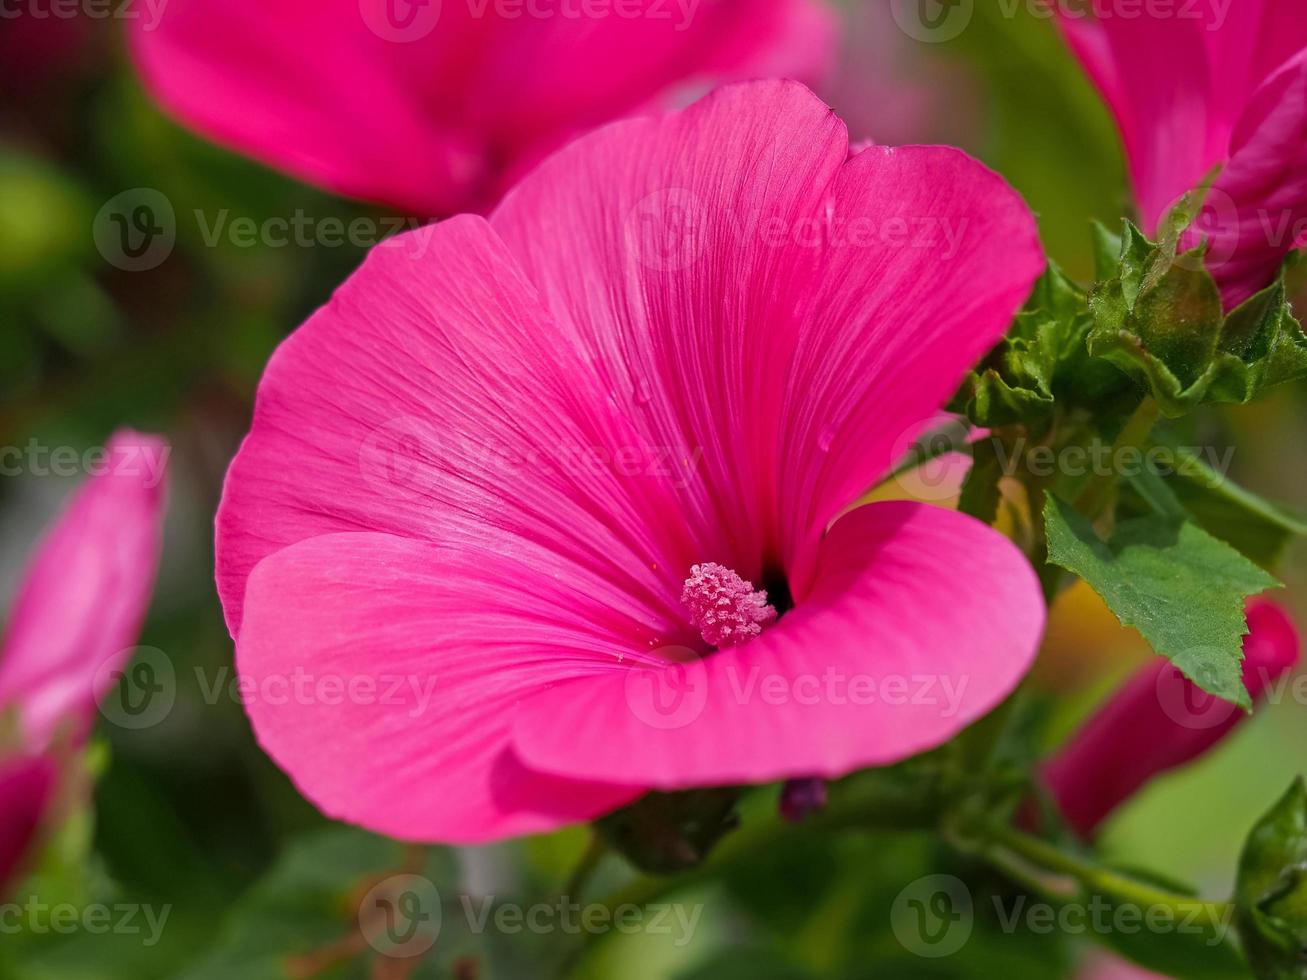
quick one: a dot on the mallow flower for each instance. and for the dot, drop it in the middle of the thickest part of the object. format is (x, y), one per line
(434, 106)
(72, 624)
(1203, 90)
(1158, 721)
(548, 509)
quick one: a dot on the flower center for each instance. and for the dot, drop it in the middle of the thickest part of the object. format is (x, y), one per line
(724, 608)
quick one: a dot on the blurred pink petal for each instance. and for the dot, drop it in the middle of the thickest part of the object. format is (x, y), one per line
(495, 456)
(1198, 89)
(79, 607)
(1158, 721)
(431, 106)
(27, 784)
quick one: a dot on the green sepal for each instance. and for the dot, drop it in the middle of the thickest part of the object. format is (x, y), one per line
(663, 833)
(1183, 589)
(1271, 890)
(1159, 319)
(1042, 359)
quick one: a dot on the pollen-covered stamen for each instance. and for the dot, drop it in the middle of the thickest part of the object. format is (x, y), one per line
(724, 608)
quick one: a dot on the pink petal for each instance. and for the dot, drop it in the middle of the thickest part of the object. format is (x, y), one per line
(433, 398)
(430, 115)
(1263, 187)
(919, 621)
(755, 294)
(1160, 720)
(79, 608)
(27, 784)
(384, 673)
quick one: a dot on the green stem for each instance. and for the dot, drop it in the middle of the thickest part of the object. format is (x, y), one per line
(1031, 861)
(585, 867)
(1133, 435)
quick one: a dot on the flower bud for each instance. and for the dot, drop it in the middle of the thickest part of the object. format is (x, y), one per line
(1157, 721)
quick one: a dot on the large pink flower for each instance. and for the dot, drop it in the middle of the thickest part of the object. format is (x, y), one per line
(487, 470)
(1200, 86)
(74, 621)
(435, 106)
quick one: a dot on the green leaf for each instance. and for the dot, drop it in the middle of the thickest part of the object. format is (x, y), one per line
(1183, 589)
(1159, 319)
(1257, 527)
(1271, 890)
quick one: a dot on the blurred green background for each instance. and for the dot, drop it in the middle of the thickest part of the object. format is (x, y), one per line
(189, 814)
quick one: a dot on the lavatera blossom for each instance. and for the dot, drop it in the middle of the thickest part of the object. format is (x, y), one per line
(1202, 91)
(543, 511)
(434, 106)
(73, 624)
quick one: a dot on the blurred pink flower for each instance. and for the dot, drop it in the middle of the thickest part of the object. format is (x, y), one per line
(1160, 720)
(1198, 87)
(493, 460)
(1103, 966)
(437, 107)
(74, 620)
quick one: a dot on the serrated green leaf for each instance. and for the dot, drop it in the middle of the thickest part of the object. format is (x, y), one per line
(1271, 889)
(1183, 589)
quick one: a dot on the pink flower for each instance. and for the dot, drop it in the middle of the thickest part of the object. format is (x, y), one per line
(1195, 89)
(1104, 966)
(74, 621)
(436, 107)
(1158, 721)
(482, 476)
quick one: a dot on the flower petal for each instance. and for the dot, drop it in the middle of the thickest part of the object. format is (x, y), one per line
(427, 105)
(919, 621)
(79, 609)
(433, 398)
(26, 785)
(826, 305)
(1265, 185)
(382, 673)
